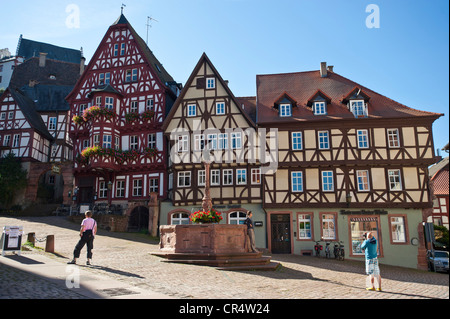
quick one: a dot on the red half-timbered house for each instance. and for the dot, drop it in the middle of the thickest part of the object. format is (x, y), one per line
(117, 109)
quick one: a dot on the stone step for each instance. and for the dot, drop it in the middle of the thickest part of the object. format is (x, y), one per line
(200, 256)
(271, 266)
(223, 262)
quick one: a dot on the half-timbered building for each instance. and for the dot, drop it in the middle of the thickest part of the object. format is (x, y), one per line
(34, 122)
(117, 109)
(350, 160)
(208, 124)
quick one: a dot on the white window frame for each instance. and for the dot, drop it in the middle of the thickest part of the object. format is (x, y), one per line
(201, 178)
(255, 174)
(227, 178)
(211, 141)
(107, 141)
(297, 141)
(241, 176)
(137, 187)
(152, 140)
(134, 142)
(362, 179)
(179, 219)
(109, 102)
(398, 229)
(215, 177)
(52, 121)
(323, 140)
(6, 140)
(327, 181)
(393, 138)
(10, 115)
(191, 110)
(120, 188)
(220, 108)
(297, 181)
(102, 189)
(3, 116)
(237, 218)
(303, 232)
(236, 140)
(222, 141)
(210, 83)
(134, 107)
(186, 178)
(362, 138)
(395, 180)
(153, 185)
(328, 232)
(199, 142)
(285, 110)
(183, 143)
(358, 108)
(320, 108)
(16, 140)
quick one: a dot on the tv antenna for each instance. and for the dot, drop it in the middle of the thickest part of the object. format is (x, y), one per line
(149, 25)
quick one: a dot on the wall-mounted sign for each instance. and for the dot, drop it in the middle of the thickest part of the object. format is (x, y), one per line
(258, 223)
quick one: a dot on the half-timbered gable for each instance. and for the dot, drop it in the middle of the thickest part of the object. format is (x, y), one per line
(208, 123)
(117, 108)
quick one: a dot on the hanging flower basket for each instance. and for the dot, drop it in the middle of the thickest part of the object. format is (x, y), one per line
(148, 115)
(208, 217)
(131, 117)
(94, 112)
(119, 155)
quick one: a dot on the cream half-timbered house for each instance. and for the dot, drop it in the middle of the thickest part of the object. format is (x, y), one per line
(207, 123)
(349, 161)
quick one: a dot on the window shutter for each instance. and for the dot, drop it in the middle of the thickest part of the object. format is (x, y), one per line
(201, 83)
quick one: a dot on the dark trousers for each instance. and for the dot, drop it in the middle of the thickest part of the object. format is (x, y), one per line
(86, 239)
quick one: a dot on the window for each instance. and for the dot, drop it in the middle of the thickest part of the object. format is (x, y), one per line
(237, 218)
(102, 190)
(363, 180)
(324, 143)
(192, 110)
(3, 116)
(328, 227)
(120, 188)
(82, 108)
(180, 219)
(134, 107)
(393, 137)
(153, 185)
(150, 104)
(98, 101)
(16, 140)
(304, 226)
(6, 140)
(297, 181)
(358, 108)
(212, 141)
(395, 183)
(359, 226)
(10, 115)
(184, 179)
(327, 181)
(320, 108)
(241, 176)
(128, 76)
(223, 141)
(134, 75)
(107, 77)
(285, 110)
(152, 141)
(297, 141)
(137, 187)
(215, 177)
(96, 139)
(201, 178)
(183, 143)
(363, 139)
(210, 83)
(116, 49)
(122, 49)
(134, 142)
(109, 102)
(398, 229)
(227, 177)
(107, 141)
(236, 140)
(220, 108)
(86, 144)
(256, 176)
(101, 78)
(199, 142)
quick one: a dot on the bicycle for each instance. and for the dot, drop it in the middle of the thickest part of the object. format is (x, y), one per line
(318, 248)
(339, 252)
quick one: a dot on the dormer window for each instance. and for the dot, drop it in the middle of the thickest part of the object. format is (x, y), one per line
(320, 108)
(358, 108)
(285, 110)
(357, 102)
(52, 77)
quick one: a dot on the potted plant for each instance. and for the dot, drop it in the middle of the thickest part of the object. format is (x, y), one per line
(206, 217)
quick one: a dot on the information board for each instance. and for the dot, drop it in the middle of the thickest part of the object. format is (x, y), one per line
(12, 239)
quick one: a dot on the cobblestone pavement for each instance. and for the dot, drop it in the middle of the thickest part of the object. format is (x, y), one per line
(127, 258)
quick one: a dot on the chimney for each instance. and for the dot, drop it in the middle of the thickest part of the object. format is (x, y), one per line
(330, 68)
(323, 69)
(83, 60)
(42, 57)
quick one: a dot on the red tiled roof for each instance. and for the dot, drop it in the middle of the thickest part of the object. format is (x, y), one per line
(440, 183)
(301, 86)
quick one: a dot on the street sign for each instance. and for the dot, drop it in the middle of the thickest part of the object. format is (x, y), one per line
(12, 239)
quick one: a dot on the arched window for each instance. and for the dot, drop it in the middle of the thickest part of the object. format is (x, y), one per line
(180, 219)
(237, 218)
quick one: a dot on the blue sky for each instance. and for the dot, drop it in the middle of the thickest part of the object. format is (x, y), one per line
(405, 59)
